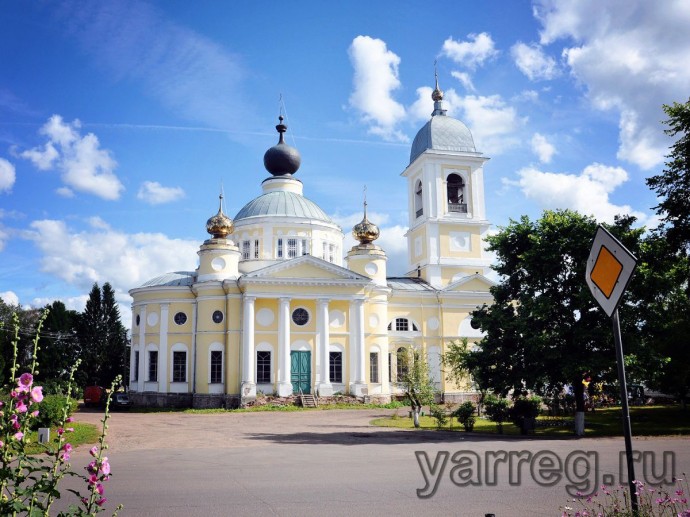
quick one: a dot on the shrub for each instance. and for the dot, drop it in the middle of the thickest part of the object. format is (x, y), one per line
(439, 414)
(51, 410)
(497, 409)
(466, 415)
(524, 411)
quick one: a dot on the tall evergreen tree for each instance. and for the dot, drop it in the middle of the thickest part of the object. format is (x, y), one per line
(102, 338)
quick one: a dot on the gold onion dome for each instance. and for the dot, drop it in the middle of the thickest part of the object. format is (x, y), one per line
(220, 225)
(365, 231)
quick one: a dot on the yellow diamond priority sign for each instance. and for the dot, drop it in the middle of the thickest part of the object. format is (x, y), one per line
(609, 269)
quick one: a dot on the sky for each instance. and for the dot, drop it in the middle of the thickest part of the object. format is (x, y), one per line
(122, 120)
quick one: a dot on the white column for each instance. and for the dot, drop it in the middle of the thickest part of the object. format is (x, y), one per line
(322, 324)
(248, 359)
(358, 333)
(163, 350)
(142, 350)
(284, 384)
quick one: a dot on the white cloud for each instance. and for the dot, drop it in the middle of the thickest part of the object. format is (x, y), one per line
(542, 148)
(464, 79)
(391, 239)
(7, 175)
(85, 167)
(154, 193)
(10, 298)
(65, 192)
(527, 96)
(375, 78)
(102, 254)
(532, 61)
(587, 193)
(477, 49)
(422, 108)
(632, 57)
(493, 123)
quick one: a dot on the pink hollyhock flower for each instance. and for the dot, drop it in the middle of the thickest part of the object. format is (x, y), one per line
(21, 407)
(99, 488)
(93, 479)
(37, 394)
(35, 413)
(105, 466)
(14, 394)
(84, 500)
(60, 431)
(67, 447)
(1, 403)
(18, 436)
(16, 425)
(69, 429)
(69, 419)
(66, 456)
(91, 468)
(101, 501)
(2, 444)
(93, 451)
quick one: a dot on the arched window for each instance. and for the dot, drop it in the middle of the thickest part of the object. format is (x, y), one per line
(403, 325)
(456, 194)
(418, 206)
(403, 360)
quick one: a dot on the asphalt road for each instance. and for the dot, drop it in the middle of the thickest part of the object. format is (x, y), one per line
(332, 463)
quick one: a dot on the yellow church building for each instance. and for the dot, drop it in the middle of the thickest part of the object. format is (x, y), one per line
(274, 307)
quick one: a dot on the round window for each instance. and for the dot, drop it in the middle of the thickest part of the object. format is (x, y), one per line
(180, 318)
(138, 320)
(217, 317)
(300, 316)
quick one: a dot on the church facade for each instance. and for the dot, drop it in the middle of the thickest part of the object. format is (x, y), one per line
(274, 307)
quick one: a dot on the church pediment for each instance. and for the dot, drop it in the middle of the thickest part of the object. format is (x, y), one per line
(474, 283)
(305, 268)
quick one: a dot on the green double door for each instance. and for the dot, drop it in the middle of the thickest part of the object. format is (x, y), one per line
(300, 371)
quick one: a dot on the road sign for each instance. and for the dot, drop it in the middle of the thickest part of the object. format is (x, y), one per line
(609, 269)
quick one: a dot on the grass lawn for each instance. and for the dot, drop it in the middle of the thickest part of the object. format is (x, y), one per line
(83, 434)
(645, 421)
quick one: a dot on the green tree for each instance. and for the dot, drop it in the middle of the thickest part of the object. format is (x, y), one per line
(673, 184)
(544, 330)
(28, 318)
(415, 381)
(661, 281)
(102, 338)
(59, 346)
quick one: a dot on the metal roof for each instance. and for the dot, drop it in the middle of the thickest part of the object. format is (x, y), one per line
(442, 133)
(408, 284)
(176, 279)
(282, 203)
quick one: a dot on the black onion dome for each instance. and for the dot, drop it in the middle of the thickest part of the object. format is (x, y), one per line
(282, 159)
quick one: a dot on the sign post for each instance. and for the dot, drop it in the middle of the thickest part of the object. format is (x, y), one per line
(609, 269)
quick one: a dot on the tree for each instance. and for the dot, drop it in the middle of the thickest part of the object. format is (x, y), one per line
(102, 338)
(673, 184)
(415, 381)
(661, 279)
(544, 330)
(59, 346)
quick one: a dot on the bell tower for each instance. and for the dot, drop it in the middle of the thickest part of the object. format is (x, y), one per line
(447, 214)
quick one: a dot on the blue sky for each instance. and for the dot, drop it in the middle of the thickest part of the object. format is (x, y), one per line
(120, 120)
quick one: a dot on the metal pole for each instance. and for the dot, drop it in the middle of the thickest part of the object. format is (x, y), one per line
(626, 412)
